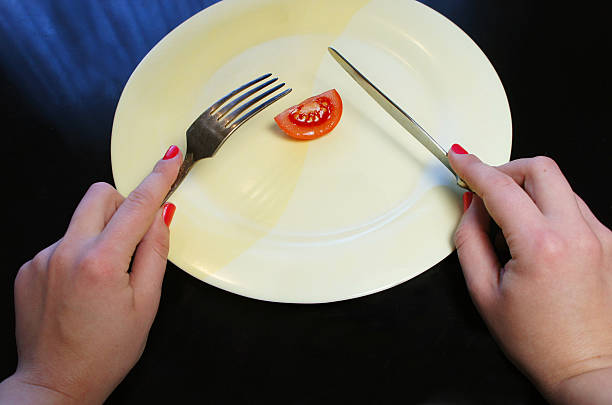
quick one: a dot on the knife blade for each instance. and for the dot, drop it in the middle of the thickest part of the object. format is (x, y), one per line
(397, 114)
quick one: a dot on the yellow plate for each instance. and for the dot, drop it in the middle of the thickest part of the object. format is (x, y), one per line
(354, 212)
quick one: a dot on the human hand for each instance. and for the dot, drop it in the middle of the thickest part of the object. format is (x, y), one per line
(550, 305)
(82, 318)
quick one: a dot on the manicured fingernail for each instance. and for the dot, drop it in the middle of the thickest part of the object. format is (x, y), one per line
(168, 213)
(467, 200)
(171, 152)
(458, 149)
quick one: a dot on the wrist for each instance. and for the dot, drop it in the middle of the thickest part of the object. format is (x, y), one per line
(16, 389)
(589, 388)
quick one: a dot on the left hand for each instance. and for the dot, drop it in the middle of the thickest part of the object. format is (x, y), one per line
(82, 318)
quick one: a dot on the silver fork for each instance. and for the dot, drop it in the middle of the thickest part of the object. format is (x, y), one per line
(212, 128)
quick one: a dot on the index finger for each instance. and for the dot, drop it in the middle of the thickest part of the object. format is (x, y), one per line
(135, 215)
(507, 203)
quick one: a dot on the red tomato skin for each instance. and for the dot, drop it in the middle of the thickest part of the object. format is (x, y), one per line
(306, 132)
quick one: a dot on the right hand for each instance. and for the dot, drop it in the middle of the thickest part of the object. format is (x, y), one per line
(550, 305)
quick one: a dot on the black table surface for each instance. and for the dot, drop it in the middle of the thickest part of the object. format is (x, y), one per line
(64, 64)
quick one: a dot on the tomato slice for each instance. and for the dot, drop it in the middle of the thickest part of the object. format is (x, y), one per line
(313, 117)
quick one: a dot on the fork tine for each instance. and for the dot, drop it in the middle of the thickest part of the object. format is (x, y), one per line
(243, 118)
(238, 110)
(240, 89)
(227, 107)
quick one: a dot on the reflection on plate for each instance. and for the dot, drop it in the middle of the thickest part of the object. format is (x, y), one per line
(354, 212)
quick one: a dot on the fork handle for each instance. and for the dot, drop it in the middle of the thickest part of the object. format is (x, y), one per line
(461, 183)
(185, 168)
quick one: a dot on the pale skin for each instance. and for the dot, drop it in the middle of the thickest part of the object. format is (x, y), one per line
(550, 305)
(83, 319)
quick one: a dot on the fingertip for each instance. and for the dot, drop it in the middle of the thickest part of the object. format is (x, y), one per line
(170, 163)
(173, 156)
(135, 215)
(458, 149)
(457, 156)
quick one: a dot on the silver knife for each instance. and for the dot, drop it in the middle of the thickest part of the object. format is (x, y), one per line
(398, 114)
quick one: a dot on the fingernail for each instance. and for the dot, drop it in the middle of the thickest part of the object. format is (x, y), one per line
(168, 213)
(171, 152)
(467, 200)
(458, 149)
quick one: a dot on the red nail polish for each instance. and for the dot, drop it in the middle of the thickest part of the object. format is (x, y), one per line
(458, 149)
(168, 213)
(467, 200)
(171, 152)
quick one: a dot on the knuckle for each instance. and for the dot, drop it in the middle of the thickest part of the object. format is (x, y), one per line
(461, 236)
(545, 164)
(94, 265)
(503, 181)
(100, 187)
(140, 198)
(161, 246)
(59, 260)
(157, 242)
(21, 280)
(498, 185)
(590, 246)
(549, 247)
(39, 261)
(89, 263)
